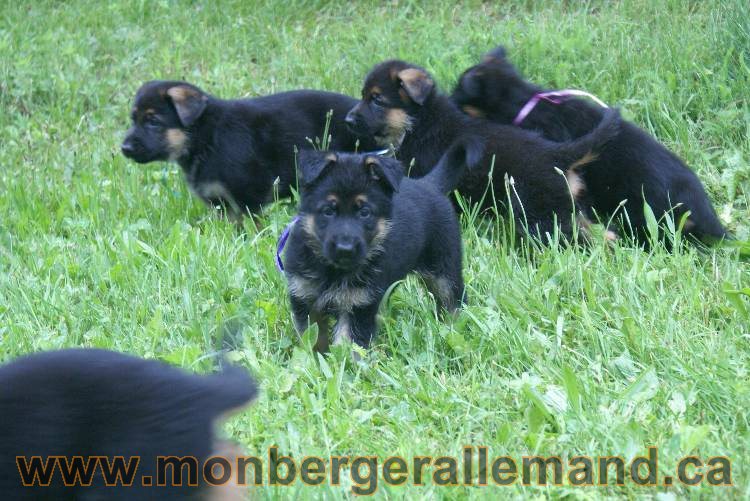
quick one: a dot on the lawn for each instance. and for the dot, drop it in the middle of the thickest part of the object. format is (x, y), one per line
(561, 351)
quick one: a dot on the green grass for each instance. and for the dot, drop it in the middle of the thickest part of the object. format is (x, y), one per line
(560, 351)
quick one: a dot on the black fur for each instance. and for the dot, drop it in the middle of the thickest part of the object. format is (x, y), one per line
(363, 226)
(90, 402)
(631, 166)
(402, 107)
(233, 150)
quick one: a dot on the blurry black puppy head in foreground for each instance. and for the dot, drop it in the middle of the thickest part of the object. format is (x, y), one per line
(162, 114)
(346, 202)
(490, 85)
(393, 93)
(91, 402)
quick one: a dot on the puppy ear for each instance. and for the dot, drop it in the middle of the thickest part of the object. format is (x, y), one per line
(417, 84)
(313, 163)
(498, 52)
(189, 103)
(388, 171)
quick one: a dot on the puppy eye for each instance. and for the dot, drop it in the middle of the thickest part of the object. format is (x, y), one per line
(365, 212)
(153, 121)
(376, 98)
(329, 211)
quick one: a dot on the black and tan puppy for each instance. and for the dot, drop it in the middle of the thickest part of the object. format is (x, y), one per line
(362, 226)
(232, 151)
(632, 166)
(88, 403)
(401, 107)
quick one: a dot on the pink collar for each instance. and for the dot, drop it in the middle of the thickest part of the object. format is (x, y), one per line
(552, 97)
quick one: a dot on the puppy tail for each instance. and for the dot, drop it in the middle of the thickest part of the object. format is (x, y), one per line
(450, 169)
(584, 150)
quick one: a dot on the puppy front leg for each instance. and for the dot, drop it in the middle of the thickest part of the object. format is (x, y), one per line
(357, 326)
(303, 318)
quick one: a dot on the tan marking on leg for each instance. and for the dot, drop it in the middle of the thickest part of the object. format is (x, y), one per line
(584, 227)
(314, 317)
(323, 343)
(342, 331)
(442, 289)
(473, 111)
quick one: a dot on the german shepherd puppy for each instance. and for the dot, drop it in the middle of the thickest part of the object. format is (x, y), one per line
(82, 403)
(401, 107)
(633, 166)
(231, 152)
(361, 227)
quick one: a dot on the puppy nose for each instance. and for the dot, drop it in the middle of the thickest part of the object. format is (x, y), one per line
(127, 148)
(345, 249)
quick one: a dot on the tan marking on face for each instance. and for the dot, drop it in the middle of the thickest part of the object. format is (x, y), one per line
(360, 199)
(332, 198)
(382, 228)
(404, 96)
(375, 90)
(310, 235)
(473, 111)
(398, 119)
(177, 143)
(149, 111)
(308, 225)
(398, 123)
